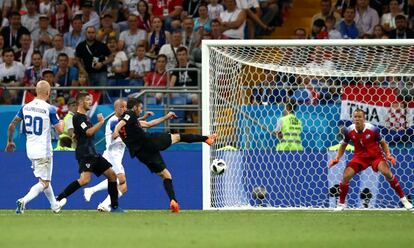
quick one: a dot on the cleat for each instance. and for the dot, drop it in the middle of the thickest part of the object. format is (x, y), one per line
(175, 208)
(211, 139)
(339, 207)
(20, 206)
(117, 210)
(59, 205)
(103, 208)
(87, 194)
(407, 204)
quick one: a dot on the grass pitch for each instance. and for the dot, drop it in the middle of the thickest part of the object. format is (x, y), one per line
(78, 229)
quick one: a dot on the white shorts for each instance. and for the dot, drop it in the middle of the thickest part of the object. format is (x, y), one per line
(42, 168)
(116, 162)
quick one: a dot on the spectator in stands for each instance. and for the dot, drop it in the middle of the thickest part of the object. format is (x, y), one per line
(24, 54)
(233, 20)
(64, 73)
(51, 54)
(256, 22)
(406, 93)
(94, 57)
(32, 75)
(216, 30)
(158, 37)
(318, 30)
(61, 16)
(118, 69)
(31, 19)
(43, 36)
(190, 39)
(11, 74)
(326, 10)
(166, 10)
(139, 66)
(111, 7)
(388, 19)
(130, 7)
(342, 5)
(88, 16)
(366, 17)
(108, 30)
(74, 37)
(56, 97)
(269, 91)
(401, 31)
(348, 27)
(379, 32)
(203, 22)
(13, 32)
(333, 33)
(158, 77)
(214, 9)
(169, 50)
(129, 39)
(289, 129)
(144, 16)
(300, 34)
(1, 47)
(45, 6)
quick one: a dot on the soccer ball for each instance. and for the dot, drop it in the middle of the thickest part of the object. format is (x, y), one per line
(218, 166)
(259, 193)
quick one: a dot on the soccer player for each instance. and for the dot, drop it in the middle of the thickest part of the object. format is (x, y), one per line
(89, 160)
(369, 151)
(114, 153)
(38, 117)
(147, 146)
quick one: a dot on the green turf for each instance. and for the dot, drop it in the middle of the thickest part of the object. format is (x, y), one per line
(38, 228)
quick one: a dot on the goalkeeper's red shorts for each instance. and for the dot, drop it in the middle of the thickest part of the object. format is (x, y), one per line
(359, 164)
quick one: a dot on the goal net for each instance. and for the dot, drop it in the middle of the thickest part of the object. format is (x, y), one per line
(246, 85)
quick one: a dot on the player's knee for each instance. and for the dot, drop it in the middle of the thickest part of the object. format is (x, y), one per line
(110, 174)
(84, 180)
(45, 184)
(165, 174)
(175, 138)
(123, 188)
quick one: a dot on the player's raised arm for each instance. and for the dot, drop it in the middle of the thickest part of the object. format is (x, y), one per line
(12, 126)
(146, 115)
(148, 124)
(91, 131)
(118, 127)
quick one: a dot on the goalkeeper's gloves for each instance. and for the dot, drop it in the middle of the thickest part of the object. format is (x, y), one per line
(333, 162)
(391, 159)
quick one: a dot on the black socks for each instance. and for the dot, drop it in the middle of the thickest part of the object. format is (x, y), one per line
(72, 187)
(113, 193)
(168, 186)
(191, 138)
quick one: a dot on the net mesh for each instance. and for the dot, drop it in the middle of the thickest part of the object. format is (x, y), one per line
(248, 88)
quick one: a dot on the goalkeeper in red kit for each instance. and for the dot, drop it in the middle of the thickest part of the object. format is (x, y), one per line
(369, 151)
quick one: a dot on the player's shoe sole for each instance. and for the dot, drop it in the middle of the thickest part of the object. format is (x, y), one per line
(211, 139)
(87, 194)
(20, 206)
(102, 208)
(59, 205)
(175, 208)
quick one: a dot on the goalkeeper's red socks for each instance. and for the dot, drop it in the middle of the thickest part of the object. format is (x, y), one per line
(343, 191)
(396, 186)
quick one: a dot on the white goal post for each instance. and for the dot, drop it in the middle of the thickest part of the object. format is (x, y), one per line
(245, 85)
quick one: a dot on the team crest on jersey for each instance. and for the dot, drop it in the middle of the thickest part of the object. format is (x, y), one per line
(88, 165)
(368, 136)
(126, 117)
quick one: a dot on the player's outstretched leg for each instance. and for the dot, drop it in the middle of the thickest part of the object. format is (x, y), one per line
(85, 178)
(394, 183)
(56, 206)
(33, 192)
(191, 138)
(88, 192)
(344, 187)
(169, 188)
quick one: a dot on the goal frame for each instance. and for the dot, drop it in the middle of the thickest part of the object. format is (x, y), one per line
(207, 44)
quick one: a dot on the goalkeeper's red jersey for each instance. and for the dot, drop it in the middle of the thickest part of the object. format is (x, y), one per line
(367, 142)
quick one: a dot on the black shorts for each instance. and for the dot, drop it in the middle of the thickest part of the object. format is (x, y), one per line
(150, 155)
(98, 165)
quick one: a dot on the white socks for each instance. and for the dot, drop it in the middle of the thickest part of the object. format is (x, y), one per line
(100, 186)
(33, 192)
(50, 195)
(107, 200)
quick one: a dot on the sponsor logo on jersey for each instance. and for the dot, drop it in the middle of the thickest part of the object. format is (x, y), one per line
(83, 125)
(126, 117)
(368, 136)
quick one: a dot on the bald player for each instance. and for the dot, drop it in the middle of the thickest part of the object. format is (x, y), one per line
(114, 153)
(38, 118)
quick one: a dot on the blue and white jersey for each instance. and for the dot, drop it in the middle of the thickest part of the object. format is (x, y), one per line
(38, 118)
(114, 147)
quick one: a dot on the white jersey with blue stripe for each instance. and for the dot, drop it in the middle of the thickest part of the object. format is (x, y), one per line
(38, 119)
(115, 147)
